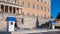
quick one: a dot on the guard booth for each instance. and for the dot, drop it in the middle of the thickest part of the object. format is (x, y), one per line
(11, 23)
(52, 24)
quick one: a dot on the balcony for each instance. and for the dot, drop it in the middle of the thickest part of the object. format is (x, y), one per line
(4, 2)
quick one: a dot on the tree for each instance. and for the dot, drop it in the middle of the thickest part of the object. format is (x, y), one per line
(51, 16)
(58, 17)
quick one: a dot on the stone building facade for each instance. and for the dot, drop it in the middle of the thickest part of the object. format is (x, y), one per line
(36, 8)
(28, 10)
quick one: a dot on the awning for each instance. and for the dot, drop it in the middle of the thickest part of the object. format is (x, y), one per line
(11, 19)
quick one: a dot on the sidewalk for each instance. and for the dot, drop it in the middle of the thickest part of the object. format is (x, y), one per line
(36, 31)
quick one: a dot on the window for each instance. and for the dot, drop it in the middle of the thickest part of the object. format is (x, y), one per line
(10, 9)
(37, 7)
(37, 0)
(28, 14)
(14, 1)
(33, 6)
(48, 2)
(48, 16)
(45, 2)
(45, 9)
(8, 0)
(2, 7)
(45, 16)
(41, 0)
(22, 3)
(22, 20)
(29, 5)
(48, 10)
(41, 8)
(6, 9)
(11, 23)
(14, 10)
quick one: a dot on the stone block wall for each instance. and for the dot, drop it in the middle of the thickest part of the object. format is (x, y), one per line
(28, 22)
(57, 23)
(3, 25)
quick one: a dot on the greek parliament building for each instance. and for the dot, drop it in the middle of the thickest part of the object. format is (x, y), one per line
(25, 11)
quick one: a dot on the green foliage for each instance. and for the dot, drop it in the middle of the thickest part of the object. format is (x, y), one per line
(57, 27)
(58, 17)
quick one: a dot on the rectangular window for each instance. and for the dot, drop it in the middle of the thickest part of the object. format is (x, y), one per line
(33, 6)
(48, 2)
(45, 16)
(45, 2)
(41, 0)
(8, 0)
(41, 8)
(37, 7)
(29, 5)
(48, 16)
(14, 1)
(10, 9)
(22, 3)
(11, 23)
(45, 9)
(37, 0)
(28, 14)
(14, 10)
(22, 20)
(48, 10)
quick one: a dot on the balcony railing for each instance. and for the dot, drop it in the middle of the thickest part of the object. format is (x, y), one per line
(12, 3)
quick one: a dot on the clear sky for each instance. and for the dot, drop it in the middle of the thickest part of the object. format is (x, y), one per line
(55, 7)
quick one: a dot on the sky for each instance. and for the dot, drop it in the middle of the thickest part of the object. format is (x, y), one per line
(55, 8)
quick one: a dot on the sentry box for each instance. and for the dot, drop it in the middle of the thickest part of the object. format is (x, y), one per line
(52, 24)
(11, 23)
